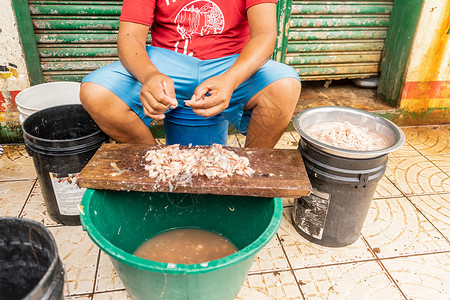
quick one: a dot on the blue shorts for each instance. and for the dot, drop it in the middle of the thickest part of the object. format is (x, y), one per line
(188, 72)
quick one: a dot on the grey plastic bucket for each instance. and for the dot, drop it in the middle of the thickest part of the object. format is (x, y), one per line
(344, 181)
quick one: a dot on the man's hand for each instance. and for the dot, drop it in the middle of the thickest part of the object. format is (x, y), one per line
(158, 95)
(212, 96)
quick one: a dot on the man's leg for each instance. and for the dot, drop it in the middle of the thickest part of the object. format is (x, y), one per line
(113, 116)
(273, 108)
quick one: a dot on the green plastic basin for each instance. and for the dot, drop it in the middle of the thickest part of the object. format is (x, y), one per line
(119, 222)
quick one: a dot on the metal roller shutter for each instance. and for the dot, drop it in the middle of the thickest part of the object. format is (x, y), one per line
(321, 39)
(75, 37)
(336, 39)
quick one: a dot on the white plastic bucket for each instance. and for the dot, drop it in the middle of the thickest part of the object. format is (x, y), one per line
(45, 95)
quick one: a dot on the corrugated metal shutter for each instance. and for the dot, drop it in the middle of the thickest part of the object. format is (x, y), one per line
(75, 37)
(336, 39)
(322, 39)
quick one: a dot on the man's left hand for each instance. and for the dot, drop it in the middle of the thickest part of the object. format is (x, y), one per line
(212, 96)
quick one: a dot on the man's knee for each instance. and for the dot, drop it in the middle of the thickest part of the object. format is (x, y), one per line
(88, 93)
(99, 103)
(99, 100)
(288, 87)
(281, 93)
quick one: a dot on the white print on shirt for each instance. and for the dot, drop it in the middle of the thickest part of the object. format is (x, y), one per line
(199, 17)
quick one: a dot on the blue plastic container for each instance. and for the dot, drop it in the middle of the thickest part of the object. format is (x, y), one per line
(183, 126)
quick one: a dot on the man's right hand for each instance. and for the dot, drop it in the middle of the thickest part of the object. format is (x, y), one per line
(158, 95)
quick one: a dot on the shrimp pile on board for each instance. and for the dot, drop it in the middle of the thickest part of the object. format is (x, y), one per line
(178, 166)
(346, 135)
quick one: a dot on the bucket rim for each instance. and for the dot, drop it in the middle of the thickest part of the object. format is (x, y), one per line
(30, 89)
(185, 116)
(196, 123)
(26, 111)
(29, 136)
(399, 135)
(170, 268)
(63, 151)
(99, 133)
(54, 249)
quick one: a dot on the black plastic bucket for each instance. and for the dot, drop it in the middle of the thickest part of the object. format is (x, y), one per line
(30, 267)
(61, 139)
(334, 213)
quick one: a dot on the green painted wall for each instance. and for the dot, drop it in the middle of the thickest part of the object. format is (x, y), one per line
(400, 36)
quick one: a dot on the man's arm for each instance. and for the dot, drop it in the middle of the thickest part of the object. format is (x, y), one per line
(157, 92)
(258, 50)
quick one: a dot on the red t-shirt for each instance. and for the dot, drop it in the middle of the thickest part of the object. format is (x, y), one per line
(201, 28)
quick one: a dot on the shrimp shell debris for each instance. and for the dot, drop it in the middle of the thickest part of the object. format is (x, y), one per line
(178, 166)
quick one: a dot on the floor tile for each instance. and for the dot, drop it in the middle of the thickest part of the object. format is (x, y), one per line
(232, 141)
(107, 277)
(270, 258)
(122, 295)
(13, 195)
(35, 208)
(276, 285)
(15, 163)
(296, 136)
(241, 139)
(442, 161)
(429, 139)
(417, 175)
(422, 277)
(366, 280)
(302, 253)
(393, 227)
(80, 297)
(405, 150)
(437, 210)
(160, 141)
(287, 141)
(288, 201)
(385, 188)
(79, 256)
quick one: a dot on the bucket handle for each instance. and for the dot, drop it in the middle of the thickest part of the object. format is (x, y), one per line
(363, 179)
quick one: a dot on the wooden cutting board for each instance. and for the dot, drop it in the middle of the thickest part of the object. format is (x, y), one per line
(278, 173)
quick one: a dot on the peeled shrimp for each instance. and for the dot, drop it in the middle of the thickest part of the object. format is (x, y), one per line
(346, 135)
(178, 166)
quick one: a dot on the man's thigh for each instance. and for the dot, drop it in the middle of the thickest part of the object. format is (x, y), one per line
(269, 73)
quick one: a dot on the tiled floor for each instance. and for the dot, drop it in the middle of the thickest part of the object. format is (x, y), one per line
(403, 251)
